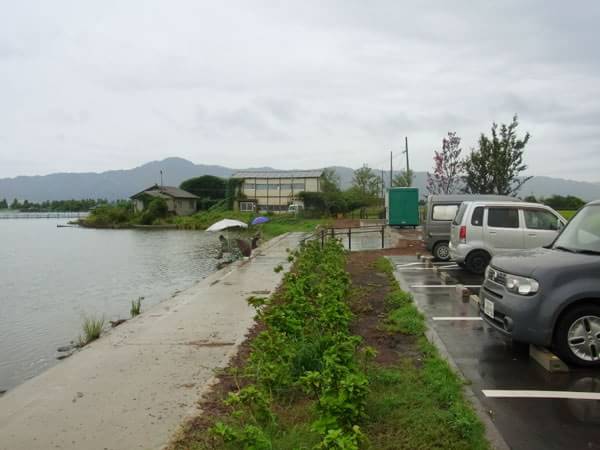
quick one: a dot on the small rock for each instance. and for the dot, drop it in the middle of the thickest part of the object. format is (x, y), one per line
(80, 394)
(65, 348)
(64, 356)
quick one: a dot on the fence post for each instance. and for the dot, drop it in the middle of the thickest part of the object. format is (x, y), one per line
(332, 232)
(349, 238)
(322, 239)
(383, 236)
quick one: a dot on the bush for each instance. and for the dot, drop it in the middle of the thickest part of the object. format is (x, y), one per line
(157, 209)
(92, 329)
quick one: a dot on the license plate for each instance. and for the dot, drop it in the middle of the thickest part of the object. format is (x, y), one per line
(488, 308)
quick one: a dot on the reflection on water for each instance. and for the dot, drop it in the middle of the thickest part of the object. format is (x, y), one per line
(50, 277)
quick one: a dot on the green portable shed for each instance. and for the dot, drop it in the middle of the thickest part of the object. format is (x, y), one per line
(402, 206)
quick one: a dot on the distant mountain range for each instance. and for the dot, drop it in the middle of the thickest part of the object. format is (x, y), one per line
(119, 184)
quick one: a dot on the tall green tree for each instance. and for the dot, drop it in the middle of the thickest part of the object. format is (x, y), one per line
(495, 167)
(366, 181)
(330, 180)
(206, 187)
(403, 179)
(3, 204)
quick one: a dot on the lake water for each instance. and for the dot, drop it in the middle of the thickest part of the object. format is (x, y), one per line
(50, 278)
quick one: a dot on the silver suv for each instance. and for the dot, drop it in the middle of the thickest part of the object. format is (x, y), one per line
(481, 230)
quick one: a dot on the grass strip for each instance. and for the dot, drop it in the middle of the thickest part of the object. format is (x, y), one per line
(418, 404)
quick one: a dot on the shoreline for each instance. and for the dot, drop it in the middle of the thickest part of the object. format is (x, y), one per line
(144, 377)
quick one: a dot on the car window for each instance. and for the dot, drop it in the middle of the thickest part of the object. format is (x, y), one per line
(582, 232)
(477, 217)
(444, 212)
(460, 214)
(503, 217)
(539, 219)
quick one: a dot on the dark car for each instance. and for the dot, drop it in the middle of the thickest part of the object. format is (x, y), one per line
(551, 296)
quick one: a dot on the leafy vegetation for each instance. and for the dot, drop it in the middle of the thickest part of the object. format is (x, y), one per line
(447, 167)
(114, 216)
(53, 206)
(495, 167)
(92, 329)
(210, 189)
(157, 209)
(417, 407)
(310, 383)
(136, 307)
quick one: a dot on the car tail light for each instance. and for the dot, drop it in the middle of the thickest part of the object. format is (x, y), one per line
(462, 234)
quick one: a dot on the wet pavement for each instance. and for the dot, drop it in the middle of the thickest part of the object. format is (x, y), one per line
(491, 362)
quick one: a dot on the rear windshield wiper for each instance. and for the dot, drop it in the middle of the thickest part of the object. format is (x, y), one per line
(564, 249)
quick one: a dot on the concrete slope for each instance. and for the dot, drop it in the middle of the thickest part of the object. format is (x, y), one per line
(133, 387)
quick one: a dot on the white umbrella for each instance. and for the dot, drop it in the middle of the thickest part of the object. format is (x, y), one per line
(225, 224)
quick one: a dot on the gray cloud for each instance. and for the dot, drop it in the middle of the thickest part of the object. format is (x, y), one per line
(95, 86)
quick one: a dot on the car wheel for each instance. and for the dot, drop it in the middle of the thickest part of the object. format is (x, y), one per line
(477, 261)
(441, 251)
(577, 336)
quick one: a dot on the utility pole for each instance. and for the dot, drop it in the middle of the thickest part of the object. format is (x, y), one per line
(382, 184)
(408, 177)
(161, 178)
(391, 168)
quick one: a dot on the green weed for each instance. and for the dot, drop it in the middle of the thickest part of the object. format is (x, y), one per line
(92, 329)
(136, 307)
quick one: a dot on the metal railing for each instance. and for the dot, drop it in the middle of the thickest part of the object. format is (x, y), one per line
(43, 215)
(347, 232)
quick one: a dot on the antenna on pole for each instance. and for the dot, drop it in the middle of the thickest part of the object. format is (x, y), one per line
(408, 177)
(391, 168)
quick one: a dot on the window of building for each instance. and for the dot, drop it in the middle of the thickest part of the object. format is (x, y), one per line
(503, 217)
(262, 186)
(249, 186)
(286, 187)
(444, 212)
(247, 206)
(298, 186)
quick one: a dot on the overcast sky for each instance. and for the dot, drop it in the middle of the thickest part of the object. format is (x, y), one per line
(99, 85)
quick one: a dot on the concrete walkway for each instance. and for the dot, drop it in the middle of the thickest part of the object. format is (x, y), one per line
(132, 388)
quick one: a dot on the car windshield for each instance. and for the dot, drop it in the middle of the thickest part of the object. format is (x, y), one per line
(582, 234)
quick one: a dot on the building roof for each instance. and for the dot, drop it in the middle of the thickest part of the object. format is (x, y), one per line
(165, 191)
(278, 174)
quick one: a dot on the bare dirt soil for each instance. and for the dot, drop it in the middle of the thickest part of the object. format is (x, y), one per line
(370, 288)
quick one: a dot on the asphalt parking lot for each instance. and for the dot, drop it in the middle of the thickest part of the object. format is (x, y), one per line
(531, 407)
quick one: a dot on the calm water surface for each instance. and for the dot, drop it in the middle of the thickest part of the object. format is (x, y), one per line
(50, 278)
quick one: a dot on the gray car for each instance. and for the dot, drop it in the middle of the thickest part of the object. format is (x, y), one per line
(551, 296)
(441, 210)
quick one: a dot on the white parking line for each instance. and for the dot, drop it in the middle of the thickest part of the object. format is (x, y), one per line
(499, 393)
(445, 285)
(457, 318)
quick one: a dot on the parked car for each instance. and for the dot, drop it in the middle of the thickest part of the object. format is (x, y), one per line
(441, 210)
(551, 296)
(295, 208)
(484, 229)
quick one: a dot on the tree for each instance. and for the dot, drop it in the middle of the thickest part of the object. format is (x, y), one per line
(206, 187)
(403, 179)
(15, 204)
(496, 166)
(367, 182)
(157, 209)
(330, 180)
(3, 204)
(447, 167)
(569, 202)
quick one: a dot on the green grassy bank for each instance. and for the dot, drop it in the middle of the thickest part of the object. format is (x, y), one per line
(311, 379)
